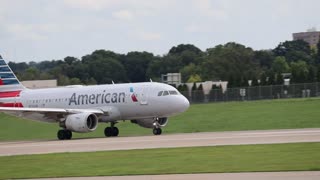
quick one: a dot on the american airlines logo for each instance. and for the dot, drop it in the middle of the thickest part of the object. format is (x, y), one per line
(101, 98)
(133, 95)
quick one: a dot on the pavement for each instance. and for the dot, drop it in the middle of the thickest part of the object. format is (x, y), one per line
(163, 141)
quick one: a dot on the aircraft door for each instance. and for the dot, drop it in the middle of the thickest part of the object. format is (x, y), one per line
(144, 96)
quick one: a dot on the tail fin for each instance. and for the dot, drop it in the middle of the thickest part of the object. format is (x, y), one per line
(8, 80)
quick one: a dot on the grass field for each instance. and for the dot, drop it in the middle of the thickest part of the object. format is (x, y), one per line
(244, 158)
(231, 116)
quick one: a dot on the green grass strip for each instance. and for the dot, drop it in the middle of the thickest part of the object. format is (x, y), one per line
(244, 158)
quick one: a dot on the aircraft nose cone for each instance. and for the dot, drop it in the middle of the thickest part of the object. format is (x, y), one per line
(184, 104)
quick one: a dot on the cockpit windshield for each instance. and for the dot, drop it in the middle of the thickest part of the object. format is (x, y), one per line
(166, 93)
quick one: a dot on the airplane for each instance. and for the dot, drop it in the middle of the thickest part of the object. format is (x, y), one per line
(79, 108)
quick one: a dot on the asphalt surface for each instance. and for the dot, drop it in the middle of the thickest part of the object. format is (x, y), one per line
(307, 175)
(163, 141)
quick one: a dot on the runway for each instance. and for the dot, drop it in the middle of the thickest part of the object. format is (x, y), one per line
(163, 141)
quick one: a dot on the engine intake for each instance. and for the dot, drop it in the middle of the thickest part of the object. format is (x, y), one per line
(82, 122)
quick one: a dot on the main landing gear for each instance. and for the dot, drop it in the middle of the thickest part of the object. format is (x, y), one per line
(157, 131)
(64, 134)
(111, 131)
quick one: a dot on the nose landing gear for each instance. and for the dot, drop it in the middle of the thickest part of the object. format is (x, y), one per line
(157, 131)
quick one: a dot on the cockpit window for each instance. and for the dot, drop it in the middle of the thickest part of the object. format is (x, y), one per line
(166, 93)
(173, 92)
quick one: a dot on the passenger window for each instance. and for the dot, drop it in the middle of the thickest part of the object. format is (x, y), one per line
(160, 93)
(165, 93)
(173, 92)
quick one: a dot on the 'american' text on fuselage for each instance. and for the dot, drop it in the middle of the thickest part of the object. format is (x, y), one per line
(101, 98)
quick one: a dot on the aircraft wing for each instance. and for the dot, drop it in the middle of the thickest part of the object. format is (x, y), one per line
(46, 114)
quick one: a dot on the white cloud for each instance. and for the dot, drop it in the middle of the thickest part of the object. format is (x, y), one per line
(208, 9)
(197, 28)
(36, 32)
(123, 15)
(90, 4)
(24, 32)
(150, 36)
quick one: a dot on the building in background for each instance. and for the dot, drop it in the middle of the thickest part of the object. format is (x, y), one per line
(171, 78)
(312, 37)
(38, 84)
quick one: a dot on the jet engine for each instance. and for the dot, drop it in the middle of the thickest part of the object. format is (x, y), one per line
(81, 122)
(151, 123)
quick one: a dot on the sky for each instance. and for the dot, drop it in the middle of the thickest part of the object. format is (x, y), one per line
(37, 30)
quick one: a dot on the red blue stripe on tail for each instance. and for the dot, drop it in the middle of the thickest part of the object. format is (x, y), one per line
(10, 87)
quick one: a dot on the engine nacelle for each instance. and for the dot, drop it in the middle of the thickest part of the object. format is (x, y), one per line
(81, 122)
(151, 123)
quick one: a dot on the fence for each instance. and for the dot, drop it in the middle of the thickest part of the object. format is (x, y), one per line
(255, 93)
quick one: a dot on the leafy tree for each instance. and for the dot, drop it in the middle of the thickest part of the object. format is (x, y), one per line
(198, 95)
(63, 80)
(74, 81)
(184, 47)
(188, 71)
(18, 67)
(103, 68)
(294, 51)
(280, 65)
(300, 71)
(164, 65)
(31, 73)
(265, 58)
(182, 87)
(279, 79)
(136, 65)
(230, 62)
(271, 78)
(263, 79)
(70, 60)
(244, 82)
(194, 78)
(194, 87)
(255, 82)
(312, 75)
(317, 57)
(91, 81)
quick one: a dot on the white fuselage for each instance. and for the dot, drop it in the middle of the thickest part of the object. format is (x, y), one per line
(120, 101)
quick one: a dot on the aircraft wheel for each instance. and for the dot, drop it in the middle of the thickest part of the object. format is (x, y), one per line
(115, 131)
(108, 131)
(157, 131)
(68, 134)
(61, 134)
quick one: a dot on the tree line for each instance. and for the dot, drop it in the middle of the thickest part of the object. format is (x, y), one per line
(230, 62)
